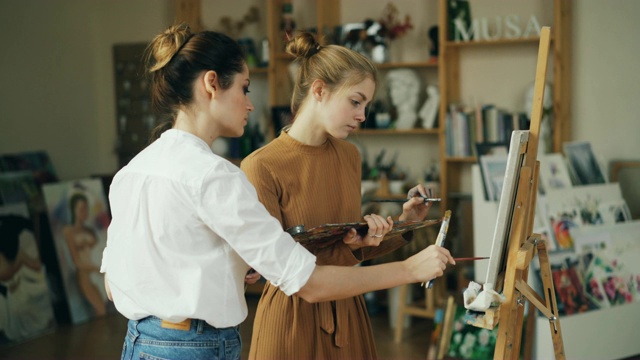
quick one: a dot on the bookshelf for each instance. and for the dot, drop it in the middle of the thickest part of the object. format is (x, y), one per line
(422, 147)
(452, 80)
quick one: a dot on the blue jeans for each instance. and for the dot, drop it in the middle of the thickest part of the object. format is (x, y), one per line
(147, 339)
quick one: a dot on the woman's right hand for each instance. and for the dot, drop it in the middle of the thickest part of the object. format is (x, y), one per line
(429, 263)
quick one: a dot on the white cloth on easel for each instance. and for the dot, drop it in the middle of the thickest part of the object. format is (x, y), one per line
(476, 299)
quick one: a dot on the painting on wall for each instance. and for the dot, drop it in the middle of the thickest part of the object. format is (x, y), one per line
(79, 218)
(25, 306)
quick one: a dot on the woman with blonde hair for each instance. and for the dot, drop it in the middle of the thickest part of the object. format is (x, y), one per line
(310, 175)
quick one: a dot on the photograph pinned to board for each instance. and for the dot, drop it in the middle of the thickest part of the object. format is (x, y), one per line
(583, 164)
(79, 218)
(554, 173)
(25, 304)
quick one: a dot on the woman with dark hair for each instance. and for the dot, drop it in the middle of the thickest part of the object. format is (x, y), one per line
(187, 225)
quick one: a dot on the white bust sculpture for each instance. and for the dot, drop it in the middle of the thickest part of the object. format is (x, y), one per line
(545, 137)
(404, 85)
(429, 110)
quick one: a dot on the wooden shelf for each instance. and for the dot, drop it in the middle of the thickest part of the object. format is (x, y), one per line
(461, 159)
(529, 40)
(418, 64)
(396, 132)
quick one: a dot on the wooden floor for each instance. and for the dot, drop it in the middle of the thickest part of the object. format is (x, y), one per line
(103, 338)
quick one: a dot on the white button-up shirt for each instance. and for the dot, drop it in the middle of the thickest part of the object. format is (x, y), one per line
(187, 226)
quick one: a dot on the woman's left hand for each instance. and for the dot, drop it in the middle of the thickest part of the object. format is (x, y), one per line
(415, 209)
(378, 227)
(252, 277)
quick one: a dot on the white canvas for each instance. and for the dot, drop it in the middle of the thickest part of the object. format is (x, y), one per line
(506, 205)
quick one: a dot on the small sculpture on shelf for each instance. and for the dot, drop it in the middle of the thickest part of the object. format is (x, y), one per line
(404, 85)
(429, 111)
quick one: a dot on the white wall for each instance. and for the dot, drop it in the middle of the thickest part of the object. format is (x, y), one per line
(57, 89)
(606, 80)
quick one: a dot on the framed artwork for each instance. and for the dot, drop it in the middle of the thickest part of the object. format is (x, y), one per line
(627, 174)
(554, 173)
(78, 219)
(583, 163)
(493, 169)
(37, 162)
(490, 148)
(25, 304)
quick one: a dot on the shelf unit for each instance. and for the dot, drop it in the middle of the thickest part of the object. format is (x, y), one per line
(449, 80)
(452, 169)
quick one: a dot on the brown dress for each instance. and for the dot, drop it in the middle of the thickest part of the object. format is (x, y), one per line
(311, 186)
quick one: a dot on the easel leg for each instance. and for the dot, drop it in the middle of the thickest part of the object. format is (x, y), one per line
(550, 299)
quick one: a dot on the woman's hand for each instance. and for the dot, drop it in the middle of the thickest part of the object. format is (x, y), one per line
(378, 228)
(415, 209)
(252, 277)
(107, 288)
(429, 263)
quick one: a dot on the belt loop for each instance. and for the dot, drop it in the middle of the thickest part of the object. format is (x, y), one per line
(200, 326)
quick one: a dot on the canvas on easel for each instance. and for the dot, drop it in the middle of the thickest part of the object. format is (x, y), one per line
(515, 244)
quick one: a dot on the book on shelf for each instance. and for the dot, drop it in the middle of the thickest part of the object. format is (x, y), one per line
(466, 126)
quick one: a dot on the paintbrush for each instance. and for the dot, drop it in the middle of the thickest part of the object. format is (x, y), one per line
(444, 227)
(404, 200)
(471, 258)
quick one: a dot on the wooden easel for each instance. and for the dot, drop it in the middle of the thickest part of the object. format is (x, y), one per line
(522, 243)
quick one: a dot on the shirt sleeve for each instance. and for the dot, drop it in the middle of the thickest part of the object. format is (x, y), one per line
(229, 206)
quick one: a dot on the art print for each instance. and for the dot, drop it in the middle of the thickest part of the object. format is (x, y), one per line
(554, 173)
(493, 169)
(79, 218)
(25, 305)
(569, 289)
(580, 206)
(583, 163)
